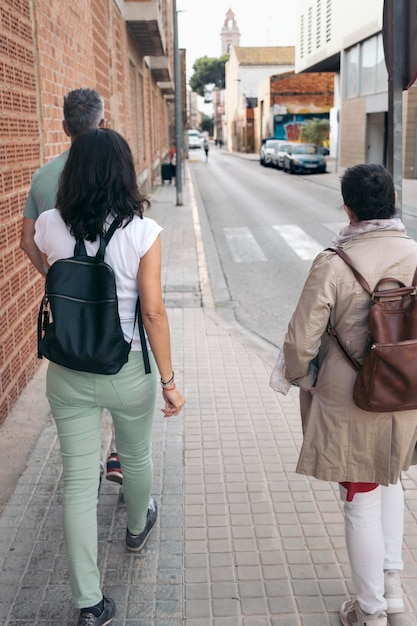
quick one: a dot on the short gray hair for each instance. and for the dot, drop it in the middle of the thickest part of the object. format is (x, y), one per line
(83, 110)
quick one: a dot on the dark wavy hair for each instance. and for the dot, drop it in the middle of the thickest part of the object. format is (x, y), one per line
(368, 191)
(98, 179)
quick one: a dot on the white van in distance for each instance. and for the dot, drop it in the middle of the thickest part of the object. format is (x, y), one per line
(194, 140)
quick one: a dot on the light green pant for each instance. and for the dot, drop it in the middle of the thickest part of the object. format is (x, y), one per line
(77, 400)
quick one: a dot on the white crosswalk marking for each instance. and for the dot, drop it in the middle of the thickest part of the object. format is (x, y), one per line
(243, 245)
(245, 249)
(305, 246)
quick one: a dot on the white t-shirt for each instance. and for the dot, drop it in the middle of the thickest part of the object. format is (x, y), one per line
(123, 254)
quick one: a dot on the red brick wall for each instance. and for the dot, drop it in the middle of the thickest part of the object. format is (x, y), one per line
(20, 154)
(43, 55)
(302, 93)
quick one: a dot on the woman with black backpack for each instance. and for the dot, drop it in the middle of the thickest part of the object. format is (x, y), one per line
(97, 186)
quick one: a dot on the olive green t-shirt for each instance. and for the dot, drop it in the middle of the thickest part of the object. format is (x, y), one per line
(44, 186)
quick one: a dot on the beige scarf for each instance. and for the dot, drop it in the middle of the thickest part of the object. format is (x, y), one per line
(366, 226)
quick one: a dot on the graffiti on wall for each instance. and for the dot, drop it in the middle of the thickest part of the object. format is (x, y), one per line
(287, 126)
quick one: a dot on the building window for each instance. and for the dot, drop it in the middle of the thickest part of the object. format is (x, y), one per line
(365, 69)
(141, 114)
(310, 31)
(368, 66)
(154, 121)
(352, 72)
(318, 24)
(373, 73)
(302, 35)
(381, 68)
(139, 136)
(328, 21)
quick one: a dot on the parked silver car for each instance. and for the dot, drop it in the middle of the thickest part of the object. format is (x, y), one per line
(304, 157)
(265, 154)
(278, 154)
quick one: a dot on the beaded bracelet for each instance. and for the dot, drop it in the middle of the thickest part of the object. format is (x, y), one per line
(173, 386)
(169, 382)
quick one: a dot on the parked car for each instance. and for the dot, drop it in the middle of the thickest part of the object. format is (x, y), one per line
(304, 157)
(278, 154)
(265, 153)
(194, 140)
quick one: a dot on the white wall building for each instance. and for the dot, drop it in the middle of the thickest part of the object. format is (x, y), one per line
(346, 37)
(245, 69)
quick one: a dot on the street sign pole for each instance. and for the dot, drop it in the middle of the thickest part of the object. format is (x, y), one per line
(395, 96)
(178, 109)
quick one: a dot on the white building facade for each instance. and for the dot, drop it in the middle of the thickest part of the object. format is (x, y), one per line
(245, 70)
(346, 38)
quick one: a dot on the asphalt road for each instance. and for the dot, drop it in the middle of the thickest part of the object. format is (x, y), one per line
(267, 227)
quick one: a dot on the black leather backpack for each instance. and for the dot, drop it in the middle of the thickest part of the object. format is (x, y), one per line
(78, 323)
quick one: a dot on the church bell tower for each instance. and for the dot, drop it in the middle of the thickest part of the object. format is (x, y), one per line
(230, 35)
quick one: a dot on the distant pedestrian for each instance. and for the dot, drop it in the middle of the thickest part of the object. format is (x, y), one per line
(99, 184)
(206, 147)
(172, 153)
(364, 452)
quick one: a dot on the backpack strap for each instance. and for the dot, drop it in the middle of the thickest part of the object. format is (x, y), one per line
(361, 280)
(332, 331)
(80, 250)
(138, 316)
(104, 239)
(352, 361)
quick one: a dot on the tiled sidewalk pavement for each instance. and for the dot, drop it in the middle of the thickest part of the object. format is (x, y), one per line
(147, 587)
(258, 544)
(263, 546)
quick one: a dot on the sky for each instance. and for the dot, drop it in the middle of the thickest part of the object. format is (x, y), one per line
(261, 23)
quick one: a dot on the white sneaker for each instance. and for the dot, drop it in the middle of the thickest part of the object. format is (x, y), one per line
(351, 614)
(393, 592)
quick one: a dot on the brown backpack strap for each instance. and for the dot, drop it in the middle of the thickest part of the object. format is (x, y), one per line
(332, 331)
(361, 280)
(352, 361)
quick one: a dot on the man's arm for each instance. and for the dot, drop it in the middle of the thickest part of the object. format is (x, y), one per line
(28, 245)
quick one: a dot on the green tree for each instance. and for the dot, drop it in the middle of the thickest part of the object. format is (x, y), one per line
(208, 71)
(207, 123)
(316, 131)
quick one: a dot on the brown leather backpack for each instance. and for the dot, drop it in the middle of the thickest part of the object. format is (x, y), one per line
(387, 376)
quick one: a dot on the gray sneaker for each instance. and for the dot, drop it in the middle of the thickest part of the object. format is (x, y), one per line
(393, 592)
(351, 614)
(89, 619)
(135, 543)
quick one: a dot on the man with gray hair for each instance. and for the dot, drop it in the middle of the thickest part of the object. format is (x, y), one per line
(83, 110)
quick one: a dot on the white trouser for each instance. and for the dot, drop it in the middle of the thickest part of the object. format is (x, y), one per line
(374, 526)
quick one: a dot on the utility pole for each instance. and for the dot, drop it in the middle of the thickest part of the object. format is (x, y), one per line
(393, 32)
(178, 109)
(400, 47)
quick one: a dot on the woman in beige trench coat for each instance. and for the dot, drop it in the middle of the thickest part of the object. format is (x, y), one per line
(364, 452)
